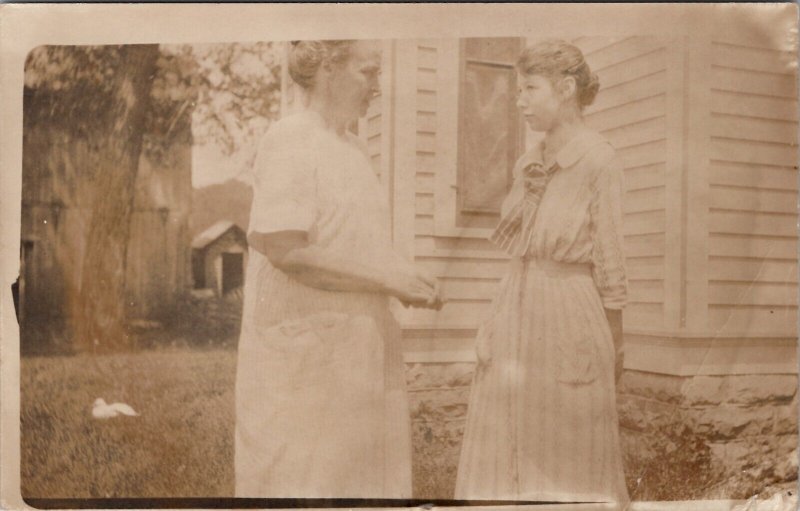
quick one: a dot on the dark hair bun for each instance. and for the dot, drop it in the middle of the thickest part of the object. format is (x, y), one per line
(588, 92)
(306, 57)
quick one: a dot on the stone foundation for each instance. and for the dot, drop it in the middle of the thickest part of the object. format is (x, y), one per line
(682, 437)
(438, 395)
(748, 423)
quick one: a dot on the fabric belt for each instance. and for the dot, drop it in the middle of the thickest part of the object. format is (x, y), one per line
(555, 268)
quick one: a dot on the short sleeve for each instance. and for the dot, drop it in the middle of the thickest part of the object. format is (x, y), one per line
(284, 191)
(608, 258)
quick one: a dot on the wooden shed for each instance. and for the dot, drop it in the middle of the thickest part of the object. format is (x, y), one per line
(219, 258)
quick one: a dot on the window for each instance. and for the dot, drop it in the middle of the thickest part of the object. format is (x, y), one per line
(489, 128)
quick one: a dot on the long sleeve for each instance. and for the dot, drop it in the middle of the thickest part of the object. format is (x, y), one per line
(608, 258)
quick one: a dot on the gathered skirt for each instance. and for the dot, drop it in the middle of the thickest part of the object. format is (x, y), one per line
(542, 422)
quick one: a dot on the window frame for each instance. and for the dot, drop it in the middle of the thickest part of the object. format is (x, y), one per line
(450, 148)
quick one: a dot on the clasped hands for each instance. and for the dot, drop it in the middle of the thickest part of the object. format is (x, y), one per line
(415, 288)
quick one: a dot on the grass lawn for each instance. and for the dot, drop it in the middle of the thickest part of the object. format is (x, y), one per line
(180, 445)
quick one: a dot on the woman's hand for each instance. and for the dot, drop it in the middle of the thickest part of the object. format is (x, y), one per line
(415, 288)
(436, 302)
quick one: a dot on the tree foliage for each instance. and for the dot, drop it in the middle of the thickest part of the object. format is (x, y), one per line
(239, 94)
(227, 93)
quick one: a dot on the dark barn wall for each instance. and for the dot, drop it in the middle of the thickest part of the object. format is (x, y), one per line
(56, 193)
(159, 253)
(54, 221)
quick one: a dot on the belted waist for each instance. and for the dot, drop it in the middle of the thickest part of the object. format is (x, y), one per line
(556, 268)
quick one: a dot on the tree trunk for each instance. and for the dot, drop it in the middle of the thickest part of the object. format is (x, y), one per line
(99, 314)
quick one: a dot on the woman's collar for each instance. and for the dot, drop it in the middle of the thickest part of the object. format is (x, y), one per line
(573, 150)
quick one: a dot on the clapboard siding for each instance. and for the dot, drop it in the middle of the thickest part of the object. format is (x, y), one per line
(642, 155)
(644, 222)
(629, 134)
(464, 248)
(645, 268)
(644, 199)
(424, 203)
(645, 176)
(749, 186)
(742, 150)
(752, 223)
(646, 291)
(645, 245)
(752, 59)
(373, 135)
(750, 128)
(627, 113)
(426, 101)
(628, 70)
(752, 244)
(426, 122)
(426, 132)
(748, 269)
(752, 293)
(426, 142)
(469, 268)
(752, 175)
(752, 320)
(425, 163)
(630, 110)
(642, 88)
(464, 268)
(778, 85)
(747, 198)
(424, 181)
(750, 105)
(604, 52)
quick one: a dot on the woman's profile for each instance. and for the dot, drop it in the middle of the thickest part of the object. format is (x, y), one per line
(542, 421)
(321, 407)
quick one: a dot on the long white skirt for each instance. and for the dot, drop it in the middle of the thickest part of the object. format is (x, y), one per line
(542, 420)
(321, 407)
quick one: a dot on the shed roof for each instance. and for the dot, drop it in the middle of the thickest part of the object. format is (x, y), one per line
(213, 233)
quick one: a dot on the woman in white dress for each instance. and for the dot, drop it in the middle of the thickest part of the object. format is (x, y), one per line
(542, 421)
(321, 407)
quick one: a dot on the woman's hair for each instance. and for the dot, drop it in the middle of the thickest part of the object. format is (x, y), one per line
(555, 58)
(306, 57)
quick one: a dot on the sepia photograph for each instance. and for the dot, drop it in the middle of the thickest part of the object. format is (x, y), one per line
(546, 256)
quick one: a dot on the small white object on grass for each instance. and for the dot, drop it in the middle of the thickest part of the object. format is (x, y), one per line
(103, 410)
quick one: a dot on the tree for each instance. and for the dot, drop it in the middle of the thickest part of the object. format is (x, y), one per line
(126, 100)
(101, 94)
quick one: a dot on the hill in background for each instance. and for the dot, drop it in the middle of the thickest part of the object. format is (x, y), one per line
(229, 200)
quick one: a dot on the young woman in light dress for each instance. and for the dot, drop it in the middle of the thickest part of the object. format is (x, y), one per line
(321, 407)
(542, 421)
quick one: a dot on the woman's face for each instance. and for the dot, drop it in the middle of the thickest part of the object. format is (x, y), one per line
(354, 82)
(538, 101)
